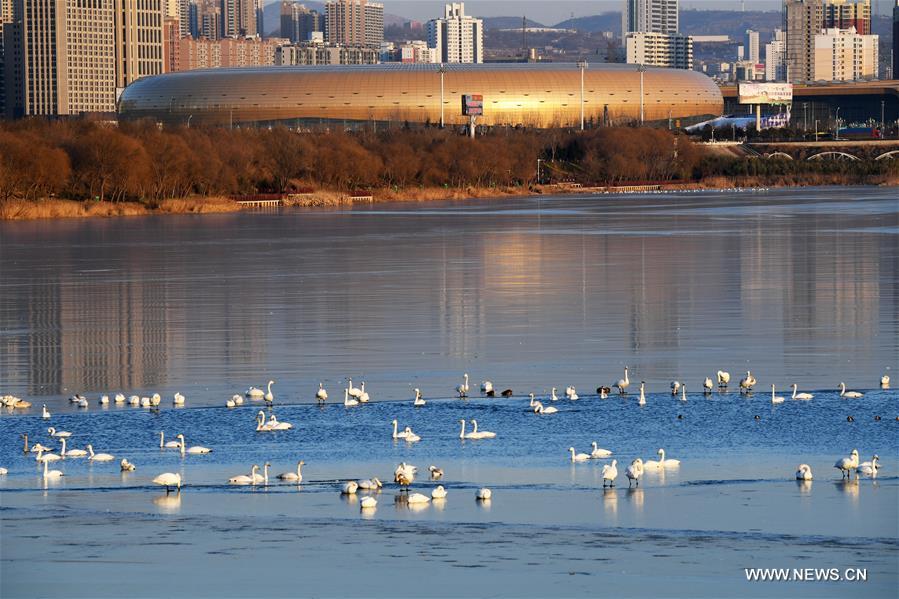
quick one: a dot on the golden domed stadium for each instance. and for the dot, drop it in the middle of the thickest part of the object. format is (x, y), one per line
(514, 94)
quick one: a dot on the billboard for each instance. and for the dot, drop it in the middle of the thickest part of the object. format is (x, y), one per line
(472, 105)
(766, 93)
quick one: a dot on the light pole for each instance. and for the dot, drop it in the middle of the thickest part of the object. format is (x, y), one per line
(882, 122)
(804, 116)
(582, 65)
(442, 70)
(836, 133)
(642, 69)
(539, 160)
(816, 129)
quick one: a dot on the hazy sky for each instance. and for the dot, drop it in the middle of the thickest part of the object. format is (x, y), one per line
(550, 11)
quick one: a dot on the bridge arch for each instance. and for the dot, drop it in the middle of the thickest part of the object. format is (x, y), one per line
(779, 155)
(833, 156)
(890, 154)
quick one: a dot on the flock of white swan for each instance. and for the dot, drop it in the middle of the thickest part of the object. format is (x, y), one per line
(404, 475)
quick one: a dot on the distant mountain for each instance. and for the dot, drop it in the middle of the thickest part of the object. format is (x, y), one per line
(508, 23)
(730, 22)
(607, 21)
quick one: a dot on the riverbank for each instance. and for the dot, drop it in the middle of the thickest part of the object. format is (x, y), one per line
(55, 208)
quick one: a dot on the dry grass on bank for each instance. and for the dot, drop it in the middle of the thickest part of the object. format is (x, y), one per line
(56, 208)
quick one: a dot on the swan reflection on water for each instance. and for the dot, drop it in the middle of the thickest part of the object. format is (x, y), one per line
(635, 496)
(850, 488)
(610, 501)
(168, 504)
(805, 487)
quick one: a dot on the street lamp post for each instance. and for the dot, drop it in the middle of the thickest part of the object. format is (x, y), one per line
(816, 129)
(642, 69)
(836, 133)
(582, 65)
(804, 116)
(882, 122)
(539, 160)
(442, 70)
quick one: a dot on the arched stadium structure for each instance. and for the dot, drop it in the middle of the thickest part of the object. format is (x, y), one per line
(534, 95)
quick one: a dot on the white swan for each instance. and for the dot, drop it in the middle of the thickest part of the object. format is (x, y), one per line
(419, 401)
(368, 503)
(539, 409)
(194, 450)
(50, 473)
(276, 425)
(4, 471)
(293, 476)
(119, 398)
(552, 395)
(262, 478)
(869, 468)
(347, 402)
(410, 436)
(747, 382)
(353, 391)
(847, 465)
(134, 400)
(481, 434)
(661, 462)
(321, 396)
(571, 393)
(349, 488)
(269, 397)
(707, 385)
(642, 400)
(46, 457)
(462, 389)
(370, 484)
(155, 399)
(126, 466)
(230, 403)
(255, 393)
(261, 425)
(404, 474)
(72, 453)
(634, 472)
(683, 392)
(849, 394)
(436, 473)
(675, 387)
(61, 434)
(885, 381)
(610, 473)
(238, 399)
(45, 413)
(438, 493)
(578, 457)
(104, 400)
(363, 395)
(163, 444)
(99, 457)
(484, 494)
(624, 383)
(145, 402)
(243, 479)
(599, 452)
(418, 498)
(775, 398)
(723, 378)
(487, 387)
(178, 399)
(398, 435)
(804, 472)
(168, 480)
(800, 395)
(463, 434)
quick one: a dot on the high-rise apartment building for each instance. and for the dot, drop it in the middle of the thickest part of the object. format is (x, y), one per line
(354, 23)
(650, 16)
(239, 18)
(139, 39)
(5, 18)
(206, 21)
(843, 14)
(844, 55)
(752, 46)
(804, 19)
(775, 63)
(298, 22)
(457, 38)
(64, 62)
(659, 49)
(894, 63)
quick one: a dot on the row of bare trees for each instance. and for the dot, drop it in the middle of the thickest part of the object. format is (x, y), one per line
(140, 161)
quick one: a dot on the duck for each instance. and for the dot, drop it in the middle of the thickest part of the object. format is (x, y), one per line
(707, 385)
(462, 390)
(126, 466)
(539, 409)
(578, 457)
(775, 398)
(294, 476)
(269, 396)
(368, 503)
(354, 392)
(603, 392)
(163, 444)
(418, 401)
(438, 493)
(435, 472)
(484, 494)
(885, 381)
(60, 434)
(178, 399)
(571, 393)
(849, 394)
(321, 396)
(243, 479)
(610, 473)
(370, 484)
(363, 396)
(675, 387)
(404, 474)
(196, 449)
(45, 413)
(349, 402)
(481, 434)
(804, 472)
(599, 452)
(723, 378)
(99, 457)
(349, 488)
(624, 383)
(801, 396)
(50, 473)
(642, 400)
(634, 472)
(847, 465)
(72, 453)
(168, 480)
(747, 382)
(507, 393)
(869, 468)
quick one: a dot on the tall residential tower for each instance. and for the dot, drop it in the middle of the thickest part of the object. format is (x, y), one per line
(456, 37)
(354, 23)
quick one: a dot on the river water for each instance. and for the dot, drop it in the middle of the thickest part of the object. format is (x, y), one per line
(798, 286)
